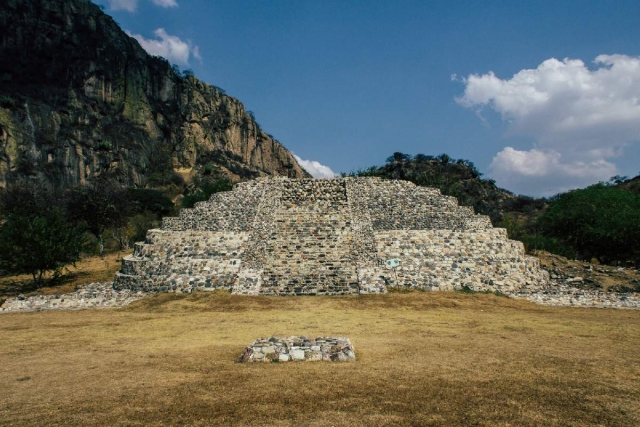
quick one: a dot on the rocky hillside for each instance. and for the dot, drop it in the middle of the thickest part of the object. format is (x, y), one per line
(80, 99)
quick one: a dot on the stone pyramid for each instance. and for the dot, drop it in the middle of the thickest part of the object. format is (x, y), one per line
(279, 236)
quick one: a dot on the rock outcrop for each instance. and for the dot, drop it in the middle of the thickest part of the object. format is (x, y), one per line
(79, 98)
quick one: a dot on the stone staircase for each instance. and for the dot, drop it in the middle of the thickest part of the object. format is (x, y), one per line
(309, 251)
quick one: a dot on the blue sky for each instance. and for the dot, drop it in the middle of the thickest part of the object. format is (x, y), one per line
(347, 83)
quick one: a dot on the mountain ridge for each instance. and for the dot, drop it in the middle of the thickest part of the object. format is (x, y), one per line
(80, 99)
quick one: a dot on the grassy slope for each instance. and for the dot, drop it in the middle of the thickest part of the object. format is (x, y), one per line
(423, 359)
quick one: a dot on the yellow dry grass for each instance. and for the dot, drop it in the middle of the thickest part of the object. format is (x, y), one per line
(87, 270)
(441, 359)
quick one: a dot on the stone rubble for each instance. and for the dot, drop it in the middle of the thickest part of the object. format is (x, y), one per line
(299, 349)
(589, 276)
(93, 295)
(561, 294)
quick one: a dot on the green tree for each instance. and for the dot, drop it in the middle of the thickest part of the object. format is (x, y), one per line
(38, 243)
(204, 189)
(100, 206)
(145, 199)
(27, 198)
(444, 158)
(399, 157)
(599, 221)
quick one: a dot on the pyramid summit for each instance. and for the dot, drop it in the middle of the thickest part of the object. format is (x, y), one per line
(280, 236)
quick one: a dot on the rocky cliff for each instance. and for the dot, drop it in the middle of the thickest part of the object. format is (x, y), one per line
(79, 99)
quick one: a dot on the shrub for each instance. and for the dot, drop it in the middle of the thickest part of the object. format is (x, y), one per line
(140, 224)
(104, 145)
(38, 243)
(150, 200)
(599, 221)
(208, 168)
(204, 190)
(8, 101)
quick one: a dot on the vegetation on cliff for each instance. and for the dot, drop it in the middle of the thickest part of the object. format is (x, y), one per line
(80, 99)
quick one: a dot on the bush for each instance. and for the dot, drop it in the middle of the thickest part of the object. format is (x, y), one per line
(150, 200)
(204, 190)
(27, 198)
(140, 224)
(599, 221)
(104, 145)
(539, 242)
(8, 101)
(38, 243)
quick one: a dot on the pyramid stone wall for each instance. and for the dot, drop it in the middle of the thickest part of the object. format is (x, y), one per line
(280, 236)
(309, 249)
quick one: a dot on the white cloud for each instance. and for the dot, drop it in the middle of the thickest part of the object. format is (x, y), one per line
(195, 51)
(165, 3)
(580, 119)
(170, 47)
(545, 173)
(128, 5)
(132, 5)
(316, 169)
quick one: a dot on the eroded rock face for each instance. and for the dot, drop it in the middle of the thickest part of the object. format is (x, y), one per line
(79, 98)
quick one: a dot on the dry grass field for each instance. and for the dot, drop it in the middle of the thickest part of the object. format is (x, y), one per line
(87, 270)
(441, 359)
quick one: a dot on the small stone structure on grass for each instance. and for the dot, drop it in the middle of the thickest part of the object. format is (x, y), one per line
(279, 236)
(299, 349)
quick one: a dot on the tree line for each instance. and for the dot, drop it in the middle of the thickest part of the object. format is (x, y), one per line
(43, 228)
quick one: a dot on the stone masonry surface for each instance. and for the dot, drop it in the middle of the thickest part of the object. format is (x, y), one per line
(93, 295)
(447, 260)
(299, 349)
(279, 236)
